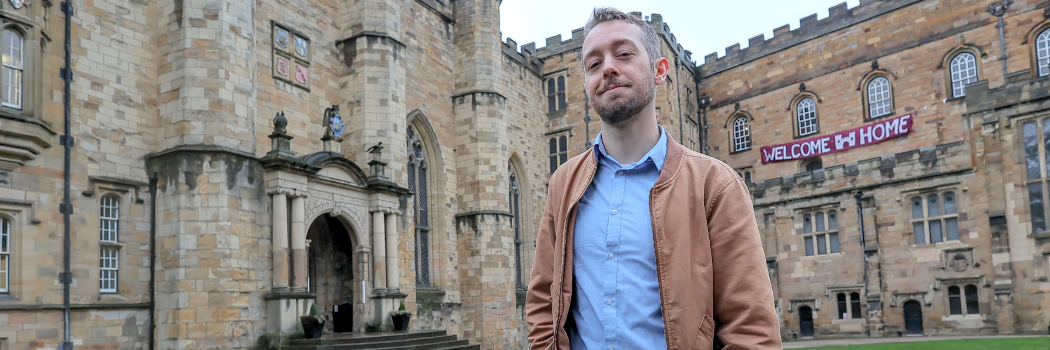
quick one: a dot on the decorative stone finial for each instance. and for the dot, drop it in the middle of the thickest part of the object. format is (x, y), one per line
(377, 165)
(280, 124)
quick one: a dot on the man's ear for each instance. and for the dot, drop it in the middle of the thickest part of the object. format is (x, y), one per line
(662, 66)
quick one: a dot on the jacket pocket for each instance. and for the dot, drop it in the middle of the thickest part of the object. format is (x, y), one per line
(705, 335)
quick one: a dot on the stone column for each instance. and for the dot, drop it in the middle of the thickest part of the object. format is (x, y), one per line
(378, 250)
(299, 243)
(393, 276)
(280, 241)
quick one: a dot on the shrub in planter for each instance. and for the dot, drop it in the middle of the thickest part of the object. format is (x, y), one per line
(400, 318)
(313, 323)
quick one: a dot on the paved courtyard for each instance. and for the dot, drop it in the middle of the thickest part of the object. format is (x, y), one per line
(845, 342)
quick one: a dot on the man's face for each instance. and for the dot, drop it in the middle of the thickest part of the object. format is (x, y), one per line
(620, 80)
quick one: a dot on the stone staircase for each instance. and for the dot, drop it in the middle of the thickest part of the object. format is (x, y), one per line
(415, 340)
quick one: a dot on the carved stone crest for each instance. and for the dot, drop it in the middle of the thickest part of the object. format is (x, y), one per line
(959, 262)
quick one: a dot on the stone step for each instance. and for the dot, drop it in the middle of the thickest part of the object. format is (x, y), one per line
(439, 345)
(356, 338)
(355, 344)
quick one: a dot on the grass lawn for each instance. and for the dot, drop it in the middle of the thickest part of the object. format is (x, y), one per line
(1041, 343)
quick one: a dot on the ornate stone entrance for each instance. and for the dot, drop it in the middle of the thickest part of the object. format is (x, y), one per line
(326, 250)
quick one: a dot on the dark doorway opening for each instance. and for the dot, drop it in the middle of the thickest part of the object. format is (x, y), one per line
(913, 317)
(805, 321)
(331, 271)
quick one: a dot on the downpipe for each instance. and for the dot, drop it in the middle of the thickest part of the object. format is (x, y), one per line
(152, 259)
(67, 205)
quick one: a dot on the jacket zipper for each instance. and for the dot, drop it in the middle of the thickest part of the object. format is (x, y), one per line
(565, 231)
(659, 272)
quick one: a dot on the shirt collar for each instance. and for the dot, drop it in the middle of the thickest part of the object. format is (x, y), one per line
(657, 154)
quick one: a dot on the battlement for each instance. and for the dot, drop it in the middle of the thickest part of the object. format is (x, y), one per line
(526, 56)
(911, 165)
(555, 45)
(839, 17)
(1020, 91)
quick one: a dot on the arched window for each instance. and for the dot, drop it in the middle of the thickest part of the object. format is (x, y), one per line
(812, 164)
(515, 209)
(843, 306)
(972, 306)
(1042, 52)
(559, 151)
(109, 251)
(806, 116)
(741, 134)
(417, 183)
(5, 255)
(855, 304)
(963, 71)
(13, 49)
(556, 94)
(880, 100)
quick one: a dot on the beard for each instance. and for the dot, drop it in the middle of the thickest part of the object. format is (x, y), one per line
(624, 107)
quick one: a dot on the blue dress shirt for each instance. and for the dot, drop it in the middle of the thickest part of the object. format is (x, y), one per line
(617, 295)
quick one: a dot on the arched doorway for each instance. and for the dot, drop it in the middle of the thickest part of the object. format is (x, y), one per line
(331, 271)
(805, 321)
(913, 317)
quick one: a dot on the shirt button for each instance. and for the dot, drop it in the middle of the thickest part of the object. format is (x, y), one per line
(611, 255)
(609, 301)
(619, 173)
(611, 347)
(614, 212)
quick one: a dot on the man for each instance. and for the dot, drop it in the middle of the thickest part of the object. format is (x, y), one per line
(645, 244)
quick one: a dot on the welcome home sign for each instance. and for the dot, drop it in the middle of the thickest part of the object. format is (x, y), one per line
(840, 141)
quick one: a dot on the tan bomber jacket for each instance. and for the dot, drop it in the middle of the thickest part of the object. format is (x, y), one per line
(712, 271)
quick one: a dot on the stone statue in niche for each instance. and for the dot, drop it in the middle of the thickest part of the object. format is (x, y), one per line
(959, 262)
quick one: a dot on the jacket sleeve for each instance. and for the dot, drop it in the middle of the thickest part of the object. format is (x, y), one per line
(538, 309)
(745, 314)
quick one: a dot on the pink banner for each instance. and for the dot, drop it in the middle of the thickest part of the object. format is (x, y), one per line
(840, 141)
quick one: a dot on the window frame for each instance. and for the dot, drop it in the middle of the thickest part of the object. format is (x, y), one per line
(6, 260)
(943, 218)
(851, 304)
(557, 150)
(811, 117)
(965, 299)
(811, 240)
(557, 97)
(1043, 181)
(514, 199)
(21, 69)
(1044, 34)
(951, 73)
(867, 96)
(740, 139)
(419, 183)
(109, 243)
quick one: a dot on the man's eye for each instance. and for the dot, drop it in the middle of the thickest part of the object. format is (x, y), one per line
(594, 65)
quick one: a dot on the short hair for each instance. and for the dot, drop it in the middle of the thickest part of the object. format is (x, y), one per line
(650, 39)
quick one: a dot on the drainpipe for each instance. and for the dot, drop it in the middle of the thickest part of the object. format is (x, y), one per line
(67, 206)
(152, 259)
(863, 251)
(678, 90)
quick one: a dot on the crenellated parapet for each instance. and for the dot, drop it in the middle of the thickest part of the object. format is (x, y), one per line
(555, 45)
(914, 165)
(839, 16)
(525, 57)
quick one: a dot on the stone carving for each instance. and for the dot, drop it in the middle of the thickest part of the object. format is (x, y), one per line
(959, 263)
(357, 213)
(900, 298)
(314, 206)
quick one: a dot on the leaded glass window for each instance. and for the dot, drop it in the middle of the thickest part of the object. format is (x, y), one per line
(806, 116)
(963, 70)
(515, 209)
(1042, 52)
(5, 254)
(13, 49)
(1036, 136)
(556, 94)
(417, 183)
(935, 217)
(109, 251)
(880, 101)
(820, 232)
(741, 134)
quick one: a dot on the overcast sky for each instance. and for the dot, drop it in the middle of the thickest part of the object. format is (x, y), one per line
(701, 26)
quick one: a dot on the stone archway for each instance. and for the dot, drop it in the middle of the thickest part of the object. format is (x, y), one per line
(333, 268)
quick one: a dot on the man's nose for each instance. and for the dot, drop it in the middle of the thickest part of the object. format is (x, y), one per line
(610, 70)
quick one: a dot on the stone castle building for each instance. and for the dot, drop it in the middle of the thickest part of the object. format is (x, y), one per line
(896, 153)
(194, 174)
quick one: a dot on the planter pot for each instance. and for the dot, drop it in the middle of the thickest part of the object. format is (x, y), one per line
(312, 328)
(401, 322)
